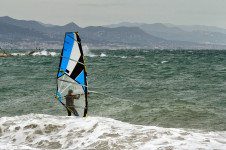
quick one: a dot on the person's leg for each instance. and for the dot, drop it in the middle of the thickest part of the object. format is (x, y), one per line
(69, 113)
(74, 110)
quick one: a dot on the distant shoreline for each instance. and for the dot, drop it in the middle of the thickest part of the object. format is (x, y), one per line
(10, 55)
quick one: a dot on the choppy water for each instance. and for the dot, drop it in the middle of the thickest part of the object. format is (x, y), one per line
(162, 99)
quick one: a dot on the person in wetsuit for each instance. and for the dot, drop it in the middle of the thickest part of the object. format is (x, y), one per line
(70, 101)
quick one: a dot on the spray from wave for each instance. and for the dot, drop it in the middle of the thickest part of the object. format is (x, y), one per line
(45, 53)
(38, 131)
(103, 55)
(87, 51)
(37, 53)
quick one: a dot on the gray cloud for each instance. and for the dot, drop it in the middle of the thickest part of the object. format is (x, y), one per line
(102, 12)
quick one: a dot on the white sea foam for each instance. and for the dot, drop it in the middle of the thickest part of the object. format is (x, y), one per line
(116, 56)
(139, 57)
(163, 62)
(103, 55)
(53, 54)
(87, 51)
(38, 53)
(37, 131)
(45, 53)
(18, 54)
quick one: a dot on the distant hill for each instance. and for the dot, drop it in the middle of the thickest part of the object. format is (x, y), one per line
(32, 34)
(199, 28)
(182, 33)
(194, 33)
(21, 31)
(9, 32)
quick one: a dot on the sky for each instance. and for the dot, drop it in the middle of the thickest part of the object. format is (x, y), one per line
(104, 12)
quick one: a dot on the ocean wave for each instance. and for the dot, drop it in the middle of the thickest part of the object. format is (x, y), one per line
(139, 57)
(93, 55)
(37, 53)
(45, 53)
(103, 55)
(116, 56)
(164, 61)
(39, 131)
(89, 53)
(18, 54)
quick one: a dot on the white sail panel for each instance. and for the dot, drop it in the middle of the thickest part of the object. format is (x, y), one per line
(65, 84)
(75, 55)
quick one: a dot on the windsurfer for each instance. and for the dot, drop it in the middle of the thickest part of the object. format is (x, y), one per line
(70, 101)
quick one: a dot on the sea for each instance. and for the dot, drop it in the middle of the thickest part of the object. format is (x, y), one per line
(138, 100)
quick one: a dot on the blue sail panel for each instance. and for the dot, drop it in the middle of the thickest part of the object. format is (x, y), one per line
(68, 45)
(81, 79)
(58, 96)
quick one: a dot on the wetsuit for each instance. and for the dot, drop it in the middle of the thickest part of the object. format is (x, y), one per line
(70, 103)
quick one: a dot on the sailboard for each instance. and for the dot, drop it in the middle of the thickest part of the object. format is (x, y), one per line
(72, 81)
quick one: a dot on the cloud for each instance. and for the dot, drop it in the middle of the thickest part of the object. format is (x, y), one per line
(102, 12)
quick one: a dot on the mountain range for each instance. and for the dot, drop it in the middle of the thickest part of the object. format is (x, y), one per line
(25, 34)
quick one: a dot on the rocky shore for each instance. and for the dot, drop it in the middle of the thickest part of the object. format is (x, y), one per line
(9, 55)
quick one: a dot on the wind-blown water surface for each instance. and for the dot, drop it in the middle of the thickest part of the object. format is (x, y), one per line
(138, 99)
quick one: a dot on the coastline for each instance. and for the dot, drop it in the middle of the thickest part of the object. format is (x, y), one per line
(10, 55)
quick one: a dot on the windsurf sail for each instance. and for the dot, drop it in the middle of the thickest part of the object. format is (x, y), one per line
(72, 85)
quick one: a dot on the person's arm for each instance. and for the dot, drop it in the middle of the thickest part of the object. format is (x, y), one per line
(77, 96)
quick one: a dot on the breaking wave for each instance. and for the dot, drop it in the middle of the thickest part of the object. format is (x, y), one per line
(93, 55)
(37, 53)
(45, 53)
(39, 131)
